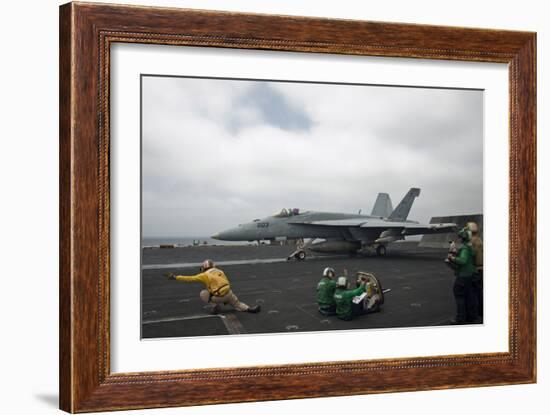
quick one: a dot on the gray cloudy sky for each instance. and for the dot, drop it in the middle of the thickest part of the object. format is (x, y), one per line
(216, 153)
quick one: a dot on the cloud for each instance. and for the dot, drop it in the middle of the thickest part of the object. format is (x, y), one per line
(274, 108)
(221, 152)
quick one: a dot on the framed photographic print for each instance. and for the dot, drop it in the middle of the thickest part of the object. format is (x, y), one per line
(313, 207)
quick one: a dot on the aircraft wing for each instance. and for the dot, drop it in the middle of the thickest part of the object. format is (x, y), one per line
(417, 229)
(333, 223)
(404, 228)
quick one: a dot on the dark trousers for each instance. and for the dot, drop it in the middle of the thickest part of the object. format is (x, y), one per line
(478, 290)
(466, 299)
(358, 309)
(327, 311)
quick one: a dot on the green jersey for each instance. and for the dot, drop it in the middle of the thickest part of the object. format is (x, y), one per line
(325, 292)
(343, 299)
(465, 262)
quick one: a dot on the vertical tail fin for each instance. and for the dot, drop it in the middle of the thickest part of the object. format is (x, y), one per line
(404, 207)
(383, 206)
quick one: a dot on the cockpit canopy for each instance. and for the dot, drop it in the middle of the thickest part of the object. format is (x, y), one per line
(285, 213)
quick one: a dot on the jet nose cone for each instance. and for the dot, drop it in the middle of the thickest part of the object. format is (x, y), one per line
(233, 234)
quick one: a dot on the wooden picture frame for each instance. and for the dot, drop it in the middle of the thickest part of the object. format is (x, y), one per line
(86, 33)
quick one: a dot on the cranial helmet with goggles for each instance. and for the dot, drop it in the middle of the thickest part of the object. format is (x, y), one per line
(329, 272)
(342, 282)
(465, 234)
(207, 264)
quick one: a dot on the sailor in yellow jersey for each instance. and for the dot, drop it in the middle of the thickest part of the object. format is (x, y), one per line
(218, 290)
(477, 244)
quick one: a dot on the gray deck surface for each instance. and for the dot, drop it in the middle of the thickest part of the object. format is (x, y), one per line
(420, 282)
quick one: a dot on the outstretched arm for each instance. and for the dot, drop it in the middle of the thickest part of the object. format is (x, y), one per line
(353, 293)
(202, 277)
(193, 278)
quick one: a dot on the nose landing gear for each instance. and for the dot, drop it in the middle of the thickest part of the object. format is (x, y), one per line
(299, 254)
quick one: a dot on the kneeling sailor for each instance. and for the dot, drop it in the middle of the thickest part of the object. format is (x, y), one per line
(325, 293)
(344, 298)
(218, 290)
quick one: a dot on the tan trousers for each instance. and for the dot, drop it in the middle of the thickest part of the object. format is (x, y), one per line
(228, 298)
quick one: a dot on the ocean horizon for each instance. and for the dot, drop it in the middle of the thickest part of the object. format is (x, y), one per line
(186, 241)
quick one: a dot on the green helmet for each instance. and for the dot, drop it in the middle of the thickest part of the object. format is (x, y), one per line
(465, 234)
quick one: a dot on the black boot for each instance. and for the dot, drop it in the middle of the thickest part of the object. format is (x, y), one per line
(255, 309)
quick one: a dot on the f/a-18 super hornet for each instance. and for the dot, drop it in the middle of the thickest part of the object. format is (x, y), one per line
(330, 232)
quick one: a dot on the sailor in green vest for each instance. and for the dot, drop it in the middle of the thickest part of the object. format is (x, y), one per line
(344, 298)
(464, 265)
(325, 293)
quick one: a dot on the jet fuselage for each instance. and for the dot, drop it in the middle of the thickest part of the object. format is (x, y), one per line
(298, 226)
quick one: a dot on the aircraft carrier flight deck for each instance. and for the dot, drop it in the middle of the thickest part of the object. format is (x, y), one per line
(419, 281)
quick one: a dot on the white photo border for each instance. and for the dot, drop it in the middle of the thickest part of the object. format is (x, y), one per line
(130, 354)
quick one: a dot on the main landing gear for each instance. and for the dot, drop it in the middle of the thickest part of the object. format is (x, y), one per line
(381, 250)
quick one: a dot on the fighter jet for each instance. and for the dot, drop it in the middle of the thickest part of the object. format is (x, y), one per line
(330, 232)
